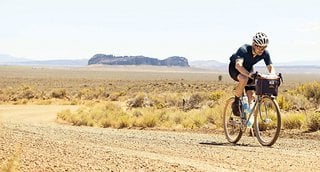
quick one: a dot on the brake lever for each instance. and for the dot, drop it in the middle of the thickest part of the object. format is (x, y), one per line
(255, 75)
(280, 76)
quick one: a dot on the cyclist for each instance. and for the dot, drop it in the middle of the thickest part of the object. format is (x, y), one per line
(241, 67)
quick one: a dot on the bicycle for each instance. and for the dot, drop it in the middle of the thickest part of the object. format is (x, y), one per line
(265, 111)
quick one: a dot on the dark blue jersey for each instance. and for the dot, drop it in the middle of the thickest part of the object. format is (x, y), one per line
(245, 52)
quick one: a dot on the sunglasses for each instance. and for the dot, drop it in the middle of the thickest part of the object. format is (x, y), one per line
(260, 47)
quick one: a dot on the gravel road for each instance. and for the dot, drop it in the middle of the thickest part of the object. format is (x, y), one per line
(46, 145)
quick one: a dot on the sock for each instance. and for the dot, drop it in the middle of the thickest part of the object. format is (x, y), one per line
(236, 99)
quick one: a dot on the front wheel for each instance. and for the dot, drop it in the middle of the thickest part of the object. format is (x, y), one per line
(231, 123)
(267, 121)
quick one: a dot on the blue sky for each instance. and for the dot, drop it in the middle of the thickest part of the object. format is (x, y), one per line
(196, 29)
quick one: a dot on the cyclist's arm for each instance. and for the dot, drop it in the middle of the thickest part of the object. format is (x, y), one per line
(271, 69)
(268, 62)
(241, 69)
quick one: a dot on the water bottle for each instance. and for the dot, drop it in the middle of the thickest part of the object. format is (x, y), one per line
(247, 111)
(246, 107)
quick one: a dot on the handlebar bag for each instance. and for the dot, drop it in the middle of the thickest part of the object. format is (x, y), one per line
(267, 86)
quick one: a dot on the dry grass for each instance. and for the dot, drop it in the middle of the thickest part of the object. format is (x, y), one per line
(110, 114)
(150, 97)
(313, 122)
(294, 120)
(12, 163)
(310, 90)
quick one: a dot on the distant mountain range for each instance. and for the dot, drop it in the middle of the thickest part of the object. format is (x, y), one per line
(4, 58)
(291, 67)
(300, 63)
(298, 66)
(10, 60)
(209, 64)
(71, 63)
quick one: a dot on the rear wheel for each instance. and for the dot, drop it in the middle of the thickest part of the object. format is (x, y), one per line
(231, 123)
(267, 121)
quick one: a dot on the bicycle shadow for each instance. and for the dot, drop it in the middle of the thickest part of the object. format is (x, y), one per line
(214, 143)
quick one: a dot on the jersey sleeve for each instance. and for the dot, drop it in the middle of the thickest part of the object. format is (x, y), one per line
(267, 59)
(239, 54)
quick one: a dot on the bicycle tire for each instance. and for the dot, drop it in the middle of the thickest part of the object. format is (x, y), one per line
(231, 124)
(267, 121)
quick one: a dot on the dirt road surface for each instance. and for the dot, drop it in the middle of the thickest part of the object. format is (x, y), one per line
(31, 133)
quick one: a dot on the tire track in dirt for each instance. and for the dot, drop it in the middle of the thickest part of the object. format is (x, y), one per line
(49, 146)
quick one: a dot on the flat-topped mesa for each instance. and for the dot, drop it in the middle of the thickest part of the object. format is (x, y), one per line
(137, 60)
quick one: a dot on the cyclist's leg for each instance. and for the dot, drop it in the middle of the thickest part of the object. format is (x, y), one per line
(251, 95)
(243, 80)
(235, 75)
(250, 90)
(236, 109)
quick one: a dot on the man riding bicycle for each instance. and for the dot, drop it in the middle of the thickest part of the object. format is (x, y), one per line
(241, 67)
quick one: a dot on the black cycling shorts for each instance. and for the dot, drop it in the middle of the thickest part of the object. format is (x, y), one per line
(233, 72)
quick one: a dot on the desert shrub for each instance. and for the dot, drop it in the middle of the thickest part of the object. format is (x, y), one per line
(150, 117)
(171, 100)
(20, 94)
(293, 120)
(114, 114)
(59, 93)
(185, 101)
(116, 95)
(26, 93)
(176, 117)
(88, 93)
(158, 104)
(3, 96)
(122, 121)
(194, 119)
(313, 122)
(163, 116)
(214, 115)
(149, 120)
(194, 102)
(136, 101)
(65, 115)
(195, 99)
(105, 123)
(137, 113)
(283, 103)
(310, 90)
(109, 114)
(163, 100)
(293, 102)
(216, 95)
(102, 114)
(104, 94)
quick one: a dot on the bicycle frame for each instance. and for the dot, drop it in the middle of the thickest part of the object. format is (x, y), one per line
(253, 110)
(246, 117)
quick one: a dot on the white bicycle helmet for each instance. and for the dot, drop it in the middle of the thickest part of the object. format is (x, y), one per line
(261, 39)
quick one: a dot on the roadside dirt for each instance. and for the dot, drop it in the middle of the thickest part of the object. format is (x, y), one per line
(46, 145)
